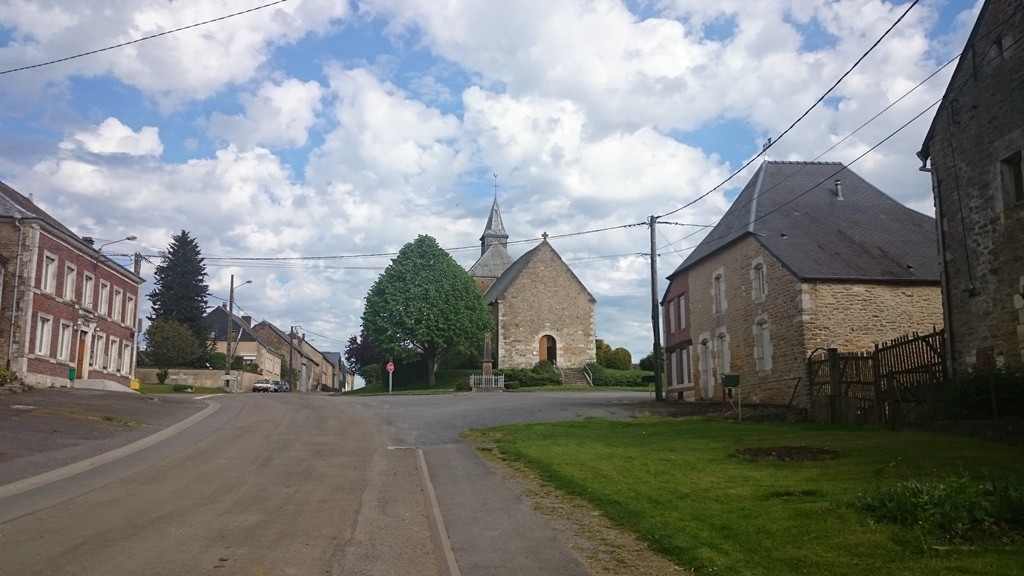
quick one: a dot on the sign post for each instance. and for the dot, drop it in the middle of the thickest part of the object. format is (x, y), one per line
(391, 371)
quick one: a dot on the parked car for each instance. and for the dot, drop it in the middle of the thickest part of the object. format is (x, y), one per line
(264, 386)
(281, 386)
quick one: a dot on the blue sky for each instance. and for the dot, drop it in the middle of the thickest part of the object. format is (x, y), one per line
(336, 128)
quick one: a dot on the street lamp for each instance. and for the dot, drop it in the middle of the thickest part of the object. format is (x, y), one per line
(229, 356)
(126, 238)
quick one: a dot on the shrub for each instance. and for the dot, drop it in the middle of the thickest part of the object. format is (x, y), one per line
(542, 374)
(161, 375)
(182, 388)
(462, 385)
(953, 510)
(621, 378)
(986, 393)
(5, 376)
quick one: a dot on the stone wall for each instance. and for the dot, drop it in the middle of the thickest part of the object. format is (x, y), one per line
(982, 222)
(545, 299)
(799, 318)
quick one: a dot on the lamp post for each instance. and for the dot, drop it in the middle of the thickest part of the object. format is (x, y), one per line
(229, 356)
(125, 239)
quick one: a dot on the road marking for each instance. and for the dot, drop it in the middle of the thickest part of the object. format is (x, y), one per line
(441, 541)
(90, 463)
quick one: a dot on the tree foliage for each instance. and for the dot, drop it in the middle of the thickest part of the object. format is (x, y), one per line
(360, 353)
(617, 359)
(424, 303)
(647, 362)
(170, 344)
(180, 288)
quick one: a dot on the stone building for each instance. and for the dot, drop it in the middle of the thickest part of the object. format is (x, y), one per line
(244, 342)
(541, 309)
(64, 305)
(809, 256)
(975, 146)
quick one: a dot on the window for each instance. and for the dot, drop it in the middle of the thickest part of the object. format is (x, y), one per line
(687, 373)
(129, 310)
(682, 311)
(87, 283)
(115, 314)
(48, 282)
(760, 288)
(64, 341)
(1013, 179)
(671, 316)
(112, 361)
(723, 352)
(705, 368)
(762, 346)
(96, 352)
(718, 293)
(70, 276)
(103, 305)
(126, 359)
(44, 326)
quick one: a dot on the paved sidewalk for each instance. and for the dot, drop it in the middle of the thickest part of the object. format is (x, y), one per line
(45, 429)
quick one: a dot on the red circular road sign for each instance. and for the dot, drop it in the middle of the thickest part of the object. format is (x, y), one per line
(391, 367)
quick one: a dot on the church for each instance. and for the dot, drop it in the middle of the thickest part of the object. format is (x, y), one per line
(541, 309)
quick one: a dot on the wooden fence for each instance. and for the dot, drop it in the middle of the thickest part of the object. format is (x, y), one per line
(891, 384)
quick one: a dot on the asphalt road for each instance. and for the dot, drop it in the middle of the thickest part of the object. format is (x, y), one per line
(301, 484)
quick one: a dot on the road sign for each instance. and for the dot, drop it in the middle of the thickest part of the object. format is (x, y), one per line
(391, 367)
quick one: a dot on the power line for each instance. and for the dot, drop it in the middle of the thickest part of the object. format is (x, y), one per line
(137, 40)
(772, 142)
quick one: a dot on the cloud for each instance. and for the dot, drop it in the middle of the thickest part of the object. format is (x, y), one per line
(113, 137)
(277, 115)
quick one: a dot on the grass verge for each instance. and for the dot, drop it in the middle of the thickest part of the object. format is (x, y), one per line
(153, 388)
(679, 485)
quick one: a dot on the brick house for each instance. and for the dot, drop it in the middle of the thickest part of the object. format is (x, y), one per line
(63, 304)
(541, 309)
(247, 345)
(975, 146)
(809, 256)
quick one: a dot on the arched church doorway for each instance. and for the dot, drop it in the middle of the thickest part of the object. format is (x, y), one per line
(548, 349)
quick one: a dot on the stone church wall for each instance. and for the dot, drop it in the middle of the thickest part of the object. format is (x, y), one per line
(546, 299)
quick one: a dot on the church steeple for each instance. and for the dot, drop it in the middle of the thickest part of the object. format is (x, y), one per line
(494, 231)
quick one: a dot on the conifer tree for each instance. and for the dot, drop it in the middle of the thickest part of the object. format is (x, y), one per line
(180, 290)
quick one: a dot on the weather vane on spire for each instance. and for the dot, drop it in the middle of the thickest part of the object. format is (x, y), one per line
(495, 174)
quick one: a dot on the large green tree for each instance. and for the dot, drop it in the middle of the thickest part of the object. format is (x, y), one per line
(180, 288)
(424, 303)
(170, 344)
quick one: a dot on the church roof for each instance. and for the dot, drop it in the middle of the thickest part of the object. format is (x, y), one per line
(501, 285)
(491, 265)
(823, 232)
(494, 228)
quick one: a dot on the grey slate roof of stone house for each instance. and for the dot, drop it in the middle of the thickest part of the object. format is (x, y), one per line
(497, 290)
(217, 321)
(793, 210)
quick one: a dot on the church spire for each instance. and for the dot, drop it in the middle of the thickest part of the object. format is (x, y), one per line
(494, 231)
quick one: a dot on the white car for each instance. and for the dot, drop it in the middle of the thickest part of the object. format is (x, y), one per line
(264, 386)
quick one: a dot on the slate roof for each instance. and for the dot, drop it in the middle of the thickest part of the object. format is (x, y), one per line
(492, 264)
(793, 210)
(494, 227)
(497, 290)
(217, 321)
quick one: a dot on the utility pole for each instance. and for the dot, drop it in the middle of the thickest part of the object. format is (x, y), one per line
(655, 311)
(227, 336)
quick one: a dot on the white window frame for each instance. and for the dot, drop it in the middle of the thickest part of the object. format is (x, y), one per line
(99, 342)
(673, 369)
(722, 349)
(115, 313)
(103, 306)
(671, 316)
(705, 366)
(718, 292)
(114, 349)
(88, 287)
(759, 280)
(70, 279)
(48, 280)
(762, 346)
(129, 310)
(687, 369)
(64, 341)
(126, 358)
(44, 334)
(682, 311)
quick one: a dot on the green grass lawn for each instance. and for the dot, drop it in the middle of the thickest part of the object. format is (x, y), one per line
(154, 388)
(678, 484)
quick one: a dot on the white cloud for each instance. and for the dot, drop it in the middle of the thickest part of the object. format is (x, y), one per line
(113, 137)
(278, 115)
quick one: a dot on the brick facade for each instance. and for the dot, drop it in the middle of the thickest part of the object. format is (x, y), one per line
(45, 288)
(975, 145)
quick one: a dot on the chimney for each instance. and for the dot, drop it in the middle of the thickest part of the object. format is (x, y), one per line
(839, 188)
(224, 305)
(88, 240)
(247, 320)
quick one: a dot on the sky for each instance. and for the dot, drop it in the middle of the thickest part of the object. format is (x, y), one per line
(304, 142)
